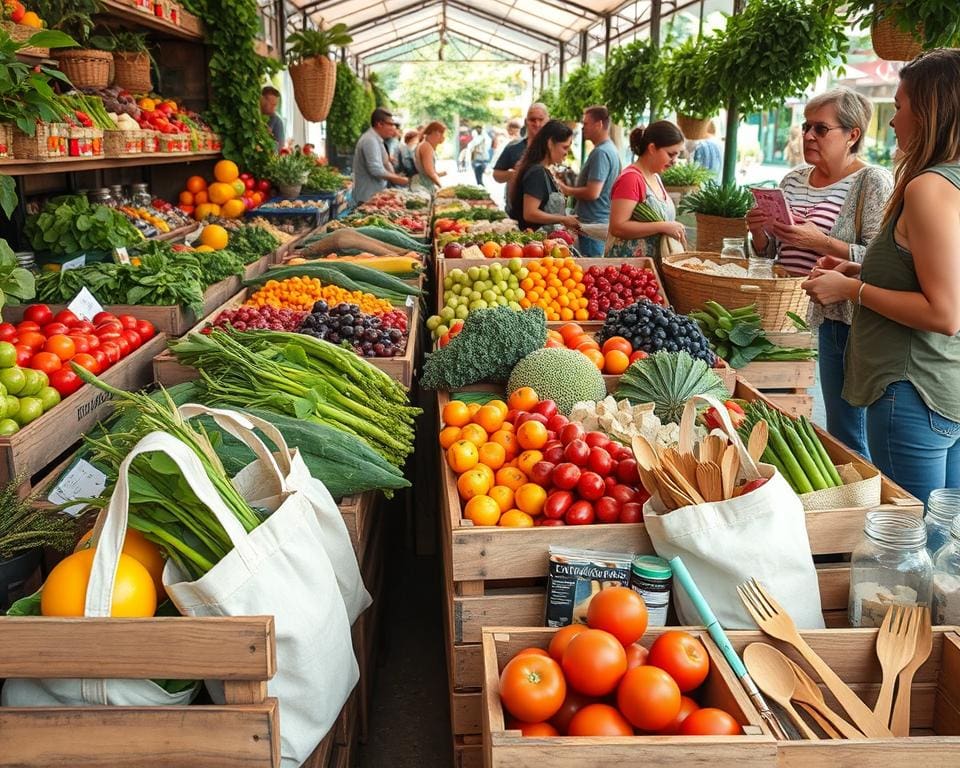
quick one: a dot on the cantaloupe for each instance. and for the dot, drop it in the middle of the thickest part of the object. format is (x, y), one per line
(562, 375)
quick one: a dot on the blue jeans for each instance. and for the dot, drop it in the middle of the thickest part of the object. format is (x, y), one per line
(845, 422)
(590, 246)
(915, 447)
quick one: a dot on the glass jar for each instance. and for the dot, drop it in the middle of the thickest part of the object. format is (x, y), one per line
(890, 565)
(140, 194)
(650, 577)
(101, 196)
(946, 579)
(943, 506)
(733, 248)
(119, 196)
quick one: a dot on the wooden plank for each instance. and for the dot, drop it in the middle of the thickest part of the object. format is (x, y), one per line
(14, 167)
(795, 374)
(320, 757)
(795, 405)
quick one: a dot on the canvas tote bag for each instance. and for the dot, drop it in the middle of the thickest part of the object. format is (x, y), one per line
(761, 535)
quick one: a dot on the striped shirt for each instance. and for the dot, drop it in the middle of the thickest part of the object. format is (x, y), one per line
(817, 205)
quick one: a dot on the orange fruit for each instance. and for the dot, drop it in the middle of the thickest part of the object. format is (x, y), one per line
(186, 198)
(493, 455)
(473, 408)
(532, 434)
(233, 209)
(530, 498)
(617, 342)
(65, 590)
(555, 344)
(489, 417)
(448, 436)
(516, 518)
(475, 434)
(482, 510)
(569, 331)
(214, 236)
(31, 19)
(490, 249)
(196, 184)
(455, 414)
(488, 473)
(595, 356)
(473, 482)
(503, 496)
(507, 426)
(508, 440)
(226, 171)
(201, 197)
(523, 399)
(512, 477)
(500, 406)
(615, 362)
(220, 192)
(206, 210)
(585, 342)
(527, 459)
(462, 455)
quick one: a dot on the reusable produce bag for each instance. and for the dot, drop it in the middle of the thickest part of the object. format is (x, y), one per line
(760, 535)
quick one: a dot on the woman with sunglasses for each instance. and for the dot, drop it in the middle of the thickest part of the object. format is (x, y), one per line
(903, 356)
(837, 202)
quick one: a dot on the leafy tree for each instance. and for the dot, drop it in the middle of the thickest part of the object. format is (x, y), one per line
(582, 88)
(446, 91)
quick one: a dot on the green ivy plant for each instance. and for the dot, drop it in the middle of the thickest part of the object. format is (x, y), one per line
(690, 87)
(550, 98)
(380, 97)
(73, 18)
(310, 43)
(633, 81)
(933, 23)
(582, 88)
(350, 111)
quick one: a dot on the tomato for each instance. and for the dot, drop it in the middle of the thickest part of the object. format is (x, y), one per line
(577, 452)
(687, 707)
(33, 339)
(636, 655)
(627, 472)
(54, 329)
(600, 461)
(8, 331)
(599, 720)
(598, 440)
(532, 729)
(48, 362)
(531, 650)
(638, 355)
(648, 697)
(111, 350)
(580, 513)
(100, 356)
(545, 408)
(38, 313)
(682, 656)
(622, 493)
(619, 611)
(557, 503)
(129, 322)
(146, 330)
(532, 688)
(570, 432)
(710, 721)
(110, 333)
(101, 317)
(562, 637)
(27, 325)
(80, 343)
(590, 486)
(565, 476)
(594, 662)
(65, 381)
(87, 361)
(60, 345)
(66, 317)
(631, 513)
(133, 338)
(618, 343)
(572, 704)
(93, 341)
(124, 345)
(24, 354)
(607, 509)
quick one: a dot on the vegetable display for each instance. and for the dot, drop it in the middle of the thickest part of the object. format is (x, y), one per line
(668, 380)
(343, 274)
(302, 293)
(251, 243)
(68, 225)
(737, 336)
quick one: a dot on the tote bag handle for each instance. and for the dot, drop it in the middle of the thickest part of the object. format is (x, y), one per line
(688, 421)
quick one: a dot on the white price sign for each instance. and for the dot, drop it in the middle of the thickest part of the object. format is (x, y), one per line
(81, 481)
(84, 305)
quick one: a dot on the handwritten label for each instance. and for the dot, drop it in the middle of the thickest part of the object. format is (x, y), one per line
(84, 305)
(81, 481)
(80, 261)
(121, 256)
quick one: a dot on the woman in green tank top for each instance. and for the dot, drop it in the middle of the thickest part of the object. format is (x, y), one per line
(903, 354)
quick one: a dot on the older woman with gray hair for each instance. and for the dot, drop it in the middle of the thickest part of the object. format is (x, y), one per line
(837, 202)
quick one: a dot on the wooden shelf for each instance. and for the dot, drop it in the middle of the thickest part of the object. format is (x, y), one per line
(71, 164)
(124, 10)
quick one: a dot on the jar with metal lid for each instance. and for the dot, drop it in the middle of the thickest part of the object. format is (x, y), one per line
(733, 248)
(101, 196)
(946, 579)
(140, 194)
(943, 506)
(890, 565)
(119, 196)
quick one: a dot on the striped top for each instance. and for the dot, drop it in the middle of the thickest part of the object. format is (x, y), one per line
(819, 206)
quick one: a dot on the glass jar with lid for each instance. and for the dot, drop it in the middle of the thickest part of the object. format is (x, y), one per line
(101, 196)
(943, 506)
(890, 565)
(121, 198)
(946, 579)
(140, 194)
(733, 248)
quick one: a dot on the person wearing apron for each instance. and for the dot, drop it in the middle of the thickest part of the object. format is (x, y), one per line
(425, 158)
(537, 200)
(656, 148)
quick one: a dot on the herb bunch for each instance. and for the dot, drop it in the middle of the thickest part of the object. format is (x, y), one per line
(25, 526)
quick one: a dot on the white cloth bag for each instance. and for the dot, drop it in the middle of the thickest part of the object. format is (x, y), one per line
(761, 535)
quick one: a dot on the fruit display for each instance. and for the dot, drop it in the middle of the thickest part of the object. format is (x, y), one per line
(618, 287)
(13, 10)
(345, 324)
(522, 463)
(652, 327)
(565, 376)
(495, 245)
(303, 293)
(230, 195)
(259, 318)
(411, 222)
(613, 358)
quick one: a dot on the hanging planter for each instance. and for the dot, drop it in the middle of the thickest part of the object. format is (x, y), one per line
(690, 89)
(85, 67)
(892, 43)
(132, 71)
(692, 128)
(902, 29)
(313, 74)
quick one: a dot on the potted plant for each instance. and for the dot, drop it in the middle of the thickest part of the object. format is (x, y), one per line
(901, 29)
(131, 62)
(720, 213)
(633, 82)
(311, 69)
(580, 90)
(683, 178)
(289, 172)
(347, 119)
(87, 66)
(690, 89)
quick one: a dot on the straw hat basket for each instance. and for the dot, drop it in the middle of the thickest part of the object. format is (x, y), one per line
(892, 43)
(712, 229)
(689, 290)
(313, 83)
(131, 71)
(85, 67)
(692, 128)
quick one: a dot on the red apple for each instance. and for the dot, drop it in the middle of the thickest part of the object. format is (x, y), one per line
(532, 250)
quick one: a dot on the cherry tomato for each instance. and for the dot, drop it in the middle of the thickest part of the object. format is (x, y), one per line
(133, 339)
(687, 706)
(8, 331)
(87, 361)
(594, 662)
(24, 353)
(38, 313)
(129, 322)
(532, 688)
(710, 722)
(648, 697)
(101, 317)
(27, 325)
(590, 486)
(599, 720)
(631, 513)
(146, 330)
(112, 351)
(557, 504)
(682, 656)
(562, 637)
(619, 611)
(60, 345)
(66, 317)
(580, 513)
(65, 381)
(54, 329)
(48, 362)
(33, 339)
(80, 342)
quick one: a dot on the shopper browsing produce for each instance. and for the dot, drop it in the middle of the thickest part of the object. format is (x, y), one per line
(425, 159)
(371, 166)
(505, 170)
(269, 100)
(537, 200)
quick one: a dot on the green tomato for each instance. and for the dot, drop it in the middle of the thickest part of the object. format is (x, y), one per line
(515, 265)
(509, 294)
(456, 274)
(475, 296)
(13, 379)
(514, 306)
(8, 355)
(502, 301)
(484, 273)
(502, 285)
(30, 408)
(433, 322)
(455, 291)
(8, 427)
(523, 273)
(48, 397)
(32, 384)
(12, 406)
(489, 296)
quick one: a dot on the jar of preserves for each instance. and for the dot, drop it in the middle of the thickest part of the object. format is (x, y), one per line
(733, 248)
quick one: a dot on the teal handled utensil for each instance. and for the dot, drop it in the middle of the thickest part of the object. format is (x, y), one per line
(710, 621)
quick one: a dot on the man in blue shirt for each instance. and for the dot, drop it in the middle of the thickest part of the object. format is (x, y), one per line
(708, 152)
(371, 165)
(504, 171)
(596, 178)
(269, 99)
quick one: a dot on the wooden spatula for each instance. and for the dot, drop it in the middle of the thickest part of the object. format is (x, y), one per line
(758, 440)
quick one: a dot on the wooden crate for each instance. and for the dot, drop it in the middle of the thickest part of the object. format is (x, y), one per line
(785, 383)
(239, 651)
(35, 446)
(503, 748)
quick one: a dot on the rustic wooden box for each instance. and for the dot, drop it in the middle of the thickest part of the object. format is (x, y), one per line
(503, 748)
(785, 383)
(240, 651)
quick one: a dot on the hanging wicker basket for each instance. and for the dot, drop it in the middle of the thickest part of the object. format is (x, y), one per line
(692, 128)
(892, 43)
(313, 83)
(131, 71)
(711, 230)
(20, 33)
(85, 67)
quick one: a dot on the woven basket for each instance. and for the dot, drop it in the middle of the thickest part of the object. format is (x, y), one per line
(48, 143)
(120, 143)
(151, 141)
(21, 32)
(131, 71)
(892, 43)
(6, 139)
(774, 297)
(85, 67)
(692, 128)
(313, 83)
(711, 230)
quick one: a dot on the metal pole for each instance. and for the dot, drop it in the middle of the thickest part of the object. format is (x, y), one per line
(606, 38)
(282, 28)
(583, 47)
(562, 46)
(733, 123)
(655, 8)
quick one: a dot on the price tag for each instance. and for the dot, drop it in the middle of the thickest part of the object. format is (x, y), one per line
(81, 481)
(191, 237)
(84, 305)
(410, 301)
(80, 261)
(121, 256)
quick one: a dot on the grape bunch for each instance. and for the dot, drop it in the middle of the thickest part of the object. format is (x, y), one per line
(346, 324)
(396, 318)
(651, 327)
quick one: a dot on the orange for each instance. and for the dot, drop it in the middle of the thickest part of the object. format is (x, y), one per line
(196, 184)
(516, 518)
(206, 210)
(220, 192)
(482, 510)
(569, 331)
(531, 434)
(500, 406)
(462, 455)
(507, 426)
(615, 362)
(617, 342)
(226, 171)
(595, 356)
(527, 459)
(523, 399)
(493, 455)
(201, 197)
(503, 496)
(448, 436)
(490, 249)
(475, 434)
(186, 198)
(511, 477)
(508, 440)
(233, 209)
(64, 591)
(214, 236)
(473, 482)
(456, 414)
(530, 498)
(473, 408)
(489, 417)
(488, 473)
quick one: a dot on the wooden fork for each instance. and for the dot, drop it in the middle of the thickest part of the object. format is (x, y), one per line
(896, 643)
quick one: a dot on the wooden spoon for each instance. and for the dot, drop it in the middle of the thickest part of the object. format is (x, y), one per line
(676, 474)
(730, 468)
(710, 481)
(644, 453)
(809, 693)
(772, 673)
(758, 440)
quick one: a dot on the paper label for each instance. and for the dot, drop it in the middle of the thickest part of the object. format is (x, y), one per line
(410, 301)
(84, 305)
(191, 237)
(121, 256)
(80, 261)
(81, 481)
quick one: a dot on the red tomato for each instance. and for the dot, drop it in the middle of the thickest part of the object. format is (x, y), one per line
(92, 340)
(631, 513)
(532, 688)
(562, 637)
(599, 720)
(532, 729)
(33, 339)
(572, 704)
(687, 707)
(124, 345)
(87, 361)
(101, 357)
(47, 362)
(133, 338)
(8, 331)
(648, 698)
(546, 408)
(710, 722)
(594, 662)
(129, 322)
(557, 504)
(540, 473)
(597, 440)
(102, 317)
(682, 656)
(80, 342)
(533, 650)
(638, 355)
(600, 461)
(65, 381)
(146, 330)
(580, 513)
(24, 353)
(636, 655)
(570, 432)
(27, 325)
(66, 317)
(112, 351)
(627, 472)
(60, 345)
(565, 476)
(84, 326)
(590, 486)
(607, 509)
(38, 313)
(54, 329)
(619, 611)
(577, 452)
